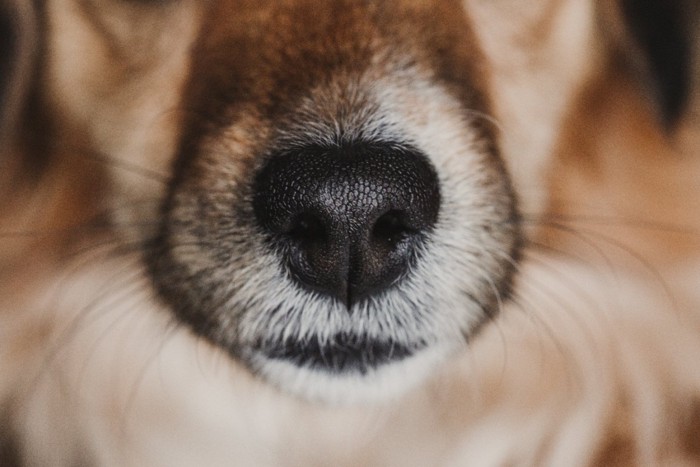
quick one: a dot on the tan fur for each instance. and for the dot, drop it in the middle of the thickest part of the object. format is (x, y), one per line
(592, 363)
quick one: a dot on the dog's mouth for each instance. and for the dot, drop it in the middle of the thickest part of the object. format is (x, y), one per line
(342, 354)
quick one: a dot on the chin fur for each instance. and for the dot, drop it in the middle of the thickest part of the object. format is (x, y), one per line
(384, 382)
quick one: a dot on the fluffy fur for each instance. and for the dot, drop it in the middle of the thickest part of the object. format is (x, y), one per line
(554, 305)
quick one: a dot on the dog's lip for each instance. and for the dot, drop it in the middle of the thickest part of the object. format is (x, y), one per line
(339, 355)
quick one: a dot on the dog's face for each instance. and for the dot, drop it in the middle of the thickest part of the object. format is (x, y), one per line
(336, 214)
(331, 206)
(338, 217)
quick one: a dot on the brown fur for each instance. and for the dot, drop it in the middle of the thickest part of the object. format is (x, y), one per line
(106, 122)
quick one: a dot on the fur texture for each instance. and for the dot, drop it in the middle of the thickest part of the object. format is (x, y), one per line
(550, 317)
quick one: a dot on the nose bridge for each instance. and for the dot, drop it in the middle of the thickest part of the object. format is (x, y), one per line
(336, 111)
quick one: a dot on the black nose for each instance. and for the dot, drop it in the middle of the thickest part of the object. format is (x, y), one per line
(349, 219)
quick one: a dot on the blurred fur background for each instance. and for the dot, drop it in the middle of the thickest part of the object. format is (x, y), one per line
(594, 360)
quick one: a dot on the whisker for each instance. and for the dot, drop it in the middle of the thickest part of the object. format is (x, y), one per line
(583, 238)
(91, 309)
(101, 220)
(168, 333)
(521, 301)
(616, 221)
(587, 235)
(86, 228)
(132, 288)
(127, 166)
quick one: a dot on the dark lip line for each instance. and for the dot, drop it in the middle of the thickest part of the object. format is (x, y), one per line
(340, 355)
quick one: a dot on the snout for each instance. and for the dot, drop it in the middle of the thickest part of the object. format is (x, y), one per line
(339, 218)
(347, 221)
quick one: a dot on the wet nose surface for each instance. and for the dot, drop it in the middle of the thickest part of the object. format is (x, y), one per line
(347, 220)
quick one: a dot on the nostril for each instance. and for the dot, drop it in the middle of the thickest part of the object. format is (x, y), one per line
(391, 228)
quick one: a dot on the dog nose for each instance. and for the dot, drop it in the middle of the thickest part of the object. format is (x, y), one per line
(348, 220)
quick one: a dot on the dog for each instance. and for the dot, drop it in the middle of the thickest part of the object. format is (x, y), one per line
(293, 232)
